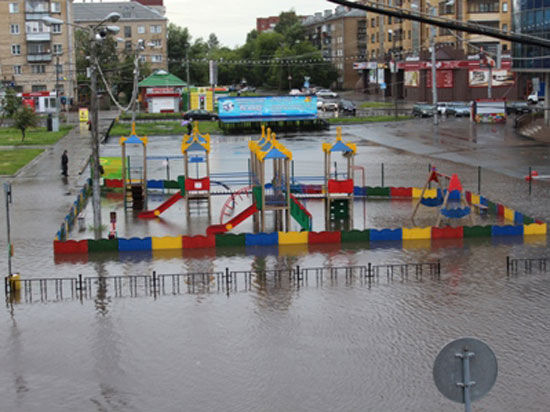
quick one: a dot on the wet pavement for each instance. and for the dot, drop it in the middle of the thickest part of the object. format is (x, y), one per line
(275, 347)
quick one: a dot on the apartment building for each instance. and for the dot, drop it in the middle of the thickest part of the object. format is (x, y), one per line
(340, 34)
(37, 59)
(137, 22)
(407, 43)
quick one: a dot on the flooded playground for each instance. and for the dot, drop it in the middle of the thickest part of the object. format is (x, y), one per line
(272, 344)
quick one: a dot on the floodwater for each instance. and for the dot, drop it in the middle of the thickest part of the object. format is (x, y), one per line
(279, 346)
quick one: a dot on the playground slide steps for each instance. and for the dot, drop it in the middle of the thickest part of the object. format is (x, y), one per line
(224, 227)
(300, 213)
(151, 214)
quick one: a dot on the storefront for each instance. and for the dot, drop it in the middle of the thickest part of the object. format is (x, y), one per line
(161, 93)
(41, 102)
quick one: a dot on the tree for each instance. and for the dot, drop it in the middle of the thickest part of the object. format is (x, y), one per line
(24, 118)
(179, 42)
(10, 104)
(213, 42)
(290, 26)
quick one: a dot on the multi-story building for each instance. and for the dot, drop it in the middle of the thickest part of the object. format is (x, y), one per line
(157, 5)
(406, 42)
(37, 59)
(266, 23)
(137, 22)
(341, 37)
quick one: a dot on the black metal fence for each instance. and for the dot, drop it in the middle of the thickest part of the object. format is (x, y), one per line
(156, 285)
(515, 266)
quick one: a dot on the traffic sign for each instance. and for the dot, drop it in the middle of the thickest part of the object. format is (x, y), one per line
(465, 370)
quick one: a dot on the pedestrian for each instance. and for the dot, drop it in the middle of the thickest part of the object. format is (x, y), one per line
(64, 163)
(189, 128)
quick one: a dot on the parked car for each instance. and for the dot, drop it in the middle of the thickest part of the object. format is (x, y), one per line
(295, 92)
(518, 107)
(326, 93)
(345, 106)
(249, 89)
(200, 114)
(327, 105)
(423, 109)
(458, 109)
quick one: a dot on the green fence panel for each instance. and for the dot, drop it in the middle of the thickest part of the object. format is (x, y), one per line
(103, 245)
(356, 236)
(528, 220)
(257, 194)
(171, 184)
(378, 191)
(181, 184)
(492, 207)
(230, 240)
(477, 231)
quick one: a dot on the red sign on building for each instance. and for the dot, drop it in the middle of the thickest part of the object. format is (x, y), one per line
(444, 79)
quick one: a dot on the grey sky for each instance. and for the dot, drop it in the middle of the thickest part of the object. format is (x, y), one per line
(231, 20)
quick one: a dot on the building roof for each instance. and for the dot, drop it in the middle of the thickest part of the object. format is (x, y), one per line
(162, 78)
(128, 10)
(338, 13)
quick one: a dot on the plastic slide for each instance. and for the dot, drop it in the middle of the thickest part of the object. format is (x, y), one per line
(151, 214)
(300, 213)
(224, 227)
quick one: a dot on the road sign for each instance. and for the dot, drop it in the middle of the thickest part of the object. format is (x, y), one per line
(383, 86)
(465, 370)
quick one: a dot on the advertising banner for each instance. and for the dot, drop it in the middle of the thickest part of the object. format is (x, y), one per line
(236, 109)
(444, 79)
(480, 78)
(412, 78)
(490, 111)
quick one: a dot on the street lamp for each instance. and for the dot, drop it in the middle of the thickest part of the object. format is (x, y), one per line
(96, 34)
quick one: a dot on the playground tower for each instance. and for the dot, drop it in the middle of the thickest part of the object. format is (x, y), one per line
(196, 163)
(339, 187)
(134, 178)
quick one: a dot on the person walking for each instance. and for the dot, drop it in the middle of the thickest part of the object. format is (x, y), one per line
(64, 163)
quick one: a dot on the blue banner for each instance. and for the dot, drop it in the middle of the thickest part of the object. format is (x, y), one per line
(238, 109)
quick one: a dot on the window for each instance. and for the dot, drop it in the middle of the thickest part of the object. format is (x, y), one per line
(17, 69)
(483, 6)
(14, 7)
(39, 88)
(156, 58)
(55, 7)
(504, 7)
(389, 19)
(127, 31)
(446, 8)
(372, 38)
(128, 45)
(389, 36)
(38, 69)
(56, 28)
(16, 49)
(156, 29)
(409, 34)
(58, 68)
(57, 49)
(156, 43)
(373, 22)
(142, 59)
(505, 27)
(14, 28)
(141, 29)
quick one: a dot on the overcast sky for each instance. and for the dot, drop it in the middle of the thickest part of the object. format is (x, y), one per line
(231, 20)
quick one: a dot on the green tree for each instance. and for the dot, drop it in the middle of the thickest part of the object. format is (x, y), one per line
(179, 42)
(10, 104)
(213, 42)
(24, 118)
(290, 26)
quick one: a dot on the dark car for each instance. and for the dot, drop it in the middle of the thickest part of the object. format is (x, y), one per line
(345, 106)
(517, 107)
(200, 114)
(458, 109)
(423, 110)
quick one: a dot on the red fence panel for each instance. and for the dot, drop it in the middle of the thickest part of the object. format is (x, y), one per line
(340, 186)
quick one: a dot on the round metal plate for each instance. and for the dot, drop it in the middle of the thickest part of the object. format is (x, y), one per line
(448, 369)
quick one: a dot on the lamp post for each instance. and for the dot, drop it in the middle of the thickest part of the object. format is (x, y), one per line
(96, 34)
(434, 77)
(393, 70)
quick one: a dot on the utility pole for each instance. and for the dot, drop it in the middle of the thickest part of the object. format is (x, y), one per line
(55, 122)
(434, 77)
(94, 164)
(7, 192)
(188, 89)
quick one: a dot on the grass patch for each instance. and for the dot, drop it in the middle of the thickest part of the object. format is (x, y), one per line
(13, 160)
(367, 105)
(365, 119)
(37, 136)
(161, 128)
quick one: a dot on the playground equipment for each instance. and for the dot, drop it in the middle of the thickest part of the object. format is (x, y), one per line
(276, 195)
(196, 189)
(134, 179)
(445, 198)
(339, 192)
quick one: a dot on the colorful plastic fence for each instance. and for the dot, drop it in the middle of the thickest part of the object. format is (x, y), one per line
(78, 205)
(522, 226)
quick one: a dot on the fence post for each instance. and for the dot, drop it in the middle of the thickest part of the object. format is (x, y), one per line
(507, 265)
(6, 284)
(479, 180)
(438, 267)
(369, 270)
(382, 176)
(154, 283)
(298, 272)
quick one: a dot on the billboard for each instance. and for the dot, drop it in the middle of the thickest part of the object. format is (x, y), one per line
(412, 78)
(238, 109)
(490, 111)
(480, 78)
(444, 79)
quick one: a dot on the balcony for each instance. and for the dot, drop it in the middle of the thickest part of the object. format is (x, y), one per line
(36, 15)
(39, 57)
(40, 36)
